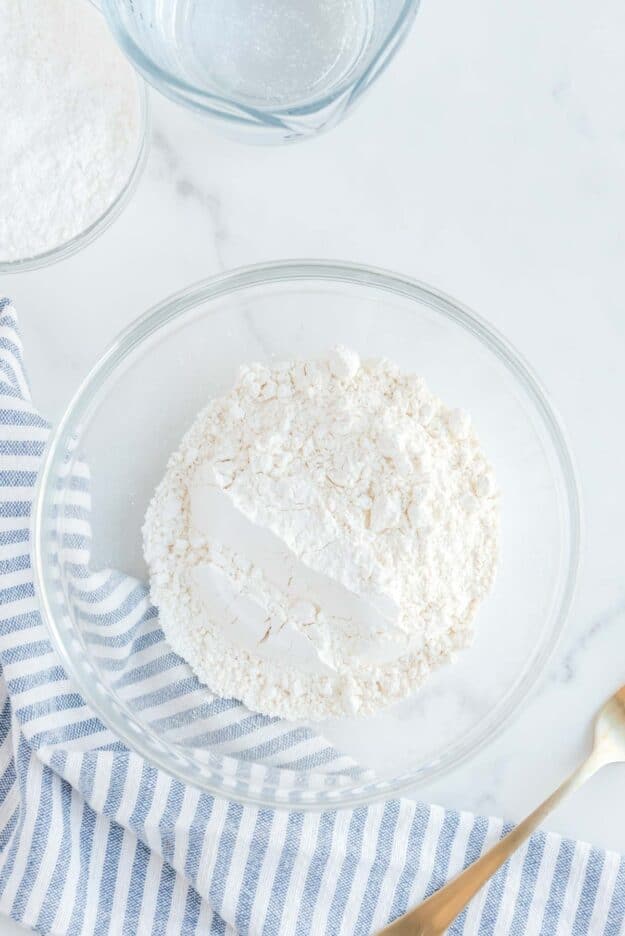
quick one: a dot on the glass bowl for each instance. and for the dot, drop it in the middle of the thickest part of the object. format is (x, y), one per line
(129, 415)
(269, 72)
(97, 227)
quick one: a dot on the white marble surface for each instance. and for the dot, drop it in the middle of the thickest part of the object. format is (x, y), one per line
(488, 161)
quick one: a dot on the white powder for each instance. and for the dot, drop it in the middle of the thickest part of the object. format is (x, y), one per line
(323, 536)
(69, 123)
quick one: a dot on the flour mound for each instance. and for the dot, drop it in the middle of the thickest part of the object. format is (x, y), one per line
(323, 536)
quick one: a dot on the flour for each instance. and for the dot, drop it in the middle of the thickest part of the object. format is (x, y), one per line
(69, 119)
(323, 536)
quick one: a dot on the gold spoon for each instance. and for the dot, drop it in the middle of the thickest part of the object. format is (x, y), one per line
(437, 913)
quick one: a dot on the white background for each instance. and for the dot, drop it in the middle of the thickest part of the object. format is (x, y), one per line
(489, 161)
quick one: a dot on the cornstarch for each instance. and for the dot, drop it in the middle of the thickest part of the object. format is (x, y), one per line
(69, 119)
(323, 536)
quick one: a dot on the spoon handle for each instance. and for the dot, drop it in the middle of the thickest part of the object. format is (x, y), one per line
(437, 913)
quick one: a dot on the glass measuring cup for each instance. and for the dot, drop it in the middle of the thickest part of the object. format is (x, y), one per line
(268, 70)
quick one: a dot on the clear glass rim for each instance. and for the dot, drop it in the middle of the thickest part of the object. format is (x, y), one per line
(113, 713)
(97, 227)
(236, 112)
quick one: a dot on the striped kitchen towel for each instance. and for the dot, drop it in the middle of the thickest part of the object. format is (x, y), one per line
(95, 840)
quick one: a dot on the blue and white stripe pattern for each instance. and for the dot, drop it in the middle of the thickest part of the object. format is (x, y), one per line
(94, 840)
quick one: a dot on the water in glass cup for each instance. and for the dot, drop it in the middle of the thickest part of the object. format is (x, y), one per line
(286, 67)
(262, 52)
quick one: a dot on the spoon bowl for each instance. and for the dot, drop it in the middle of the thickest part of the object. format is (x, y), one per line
(610, 729)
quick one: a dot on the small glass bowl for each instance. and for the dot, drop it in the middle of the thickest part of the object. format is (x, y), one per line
(129, 415)
(97, 227)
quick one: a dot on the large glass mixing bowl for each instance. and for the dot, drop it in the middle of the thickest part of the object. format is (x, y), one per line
(131, 412)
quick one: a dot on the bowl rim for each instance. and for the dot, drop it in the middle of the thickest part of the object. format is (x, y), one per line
(76, 418)
(238, 113)
(106, 219)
